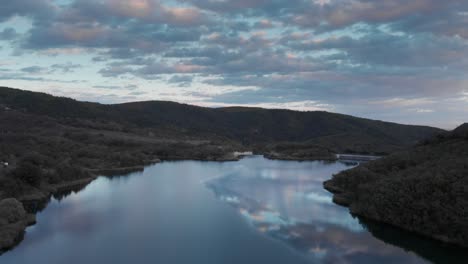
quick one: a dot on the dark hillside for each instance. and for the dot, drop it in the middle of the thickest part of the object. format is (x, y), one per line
(423, 189)
(251, 126)
(44, 104)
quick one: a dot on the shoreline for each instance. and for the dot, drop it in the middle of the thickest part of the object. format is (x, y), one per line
(286, 157)
(12, 234)
(345, 199)
(38, 200)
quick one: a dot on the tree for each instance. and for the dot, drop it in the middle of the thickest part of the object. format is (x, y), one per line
(29, 173)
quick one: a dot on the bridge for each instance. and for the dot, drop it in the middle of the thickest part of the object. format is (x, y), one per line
(356, 158)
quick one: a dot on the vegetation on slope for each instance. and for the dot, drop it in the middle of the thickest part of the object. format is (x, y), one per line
(423, 189)
(249, 126)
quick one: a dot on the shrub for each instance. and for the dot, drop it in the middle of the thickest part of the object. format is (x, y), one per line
(33, 158)
(29, 173)
(66, 171)
(11, 187)
(51, 177)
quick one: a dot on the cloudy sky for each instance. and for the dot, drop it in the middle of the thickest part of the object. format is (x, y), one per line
(396, 60)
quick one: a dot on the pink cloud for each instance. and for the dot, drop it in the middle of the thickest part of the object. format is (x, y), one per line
(183, 15)
(133, 8)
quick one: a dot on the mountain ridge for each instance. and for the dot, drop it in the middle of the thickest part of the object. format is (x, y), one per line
(249, 125)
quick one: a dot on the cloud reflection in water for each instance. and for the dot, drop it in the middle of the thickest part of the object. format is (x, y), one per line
(286, 201)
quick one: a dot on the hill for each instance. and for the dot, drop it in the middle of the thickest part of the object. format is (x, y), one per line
(423, 189)
(249, 126)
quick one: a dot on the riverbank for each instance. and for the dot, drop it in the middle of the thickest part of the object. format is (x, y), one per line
(312, 157)
(13, 221)
(17, 214)
(37, 198)
(27, 205)
(135, 217)
(422, 190)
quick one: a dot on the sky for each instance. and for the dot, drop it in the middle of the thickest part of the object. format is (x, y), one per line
(404, 61)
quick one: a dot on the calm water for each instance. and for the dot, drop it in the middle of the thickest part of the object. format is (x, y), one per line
(251, 211)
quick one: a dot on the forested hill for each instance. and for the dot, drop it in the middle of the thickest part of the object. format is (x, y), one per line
(245, 125)
(423, 189)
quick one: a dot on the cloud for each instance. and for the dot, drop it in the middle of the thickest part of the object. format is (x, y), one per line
(422, 111)
(382, 48)
(181, 80)
(249, 52)
(8, 34)
(66, 67)
(37, 9)
(62, 68)
(398, 102)
(295, 105)
(33, 70)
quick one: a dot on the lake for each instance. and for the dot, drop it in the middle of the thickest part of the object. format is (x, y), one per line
(251, 211)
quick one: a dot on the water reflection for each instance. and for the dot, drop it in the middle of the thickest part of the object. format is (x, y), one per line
(286, 201)
(434, 251)
(262, 211)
